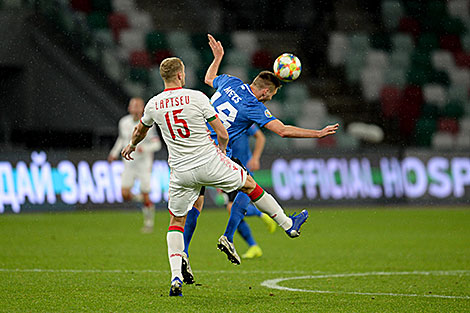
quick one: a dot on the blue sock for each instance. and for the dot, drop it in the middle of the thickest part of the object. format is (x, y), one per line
(245, 232)
(237, 214)
(251, 210)
(189, 227)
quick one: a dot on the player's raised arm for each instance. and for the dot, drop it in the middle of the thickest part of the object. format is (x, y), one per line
(218, 52)
(139, 133)
(222, 134)
(288, 131)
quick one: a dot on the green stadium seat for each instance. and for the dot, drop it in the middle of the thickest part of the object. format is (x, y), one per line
(353, 66)
(359, 42)
(155, 41)
(428, 42)
(454, 26)
(440, 77)
(102, 6)
(414, 8)
(421, 59)
(430, 111)
(140, 75)
(418, 76)
(425, 129)
(454, 109)
(97, 20)
(392, 12)
(457, 93)
(400, 59)
(436, 10)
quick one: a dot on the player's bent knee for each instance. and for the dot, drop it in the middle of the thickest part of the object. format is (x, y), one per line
(249, 186)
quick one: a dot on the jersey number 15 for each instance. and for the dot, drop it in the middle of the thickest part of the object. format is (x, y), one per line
(176, 121)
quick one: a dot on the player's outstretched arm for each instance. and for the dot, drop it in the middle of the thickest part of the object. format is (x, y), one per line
(139, 133)
(254, 163)
(222, 134)
(218, 52)
(288, 131)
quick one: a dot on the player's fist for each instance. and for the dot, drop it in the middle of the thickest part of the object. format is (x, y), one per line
(329, 130)
(111, 158)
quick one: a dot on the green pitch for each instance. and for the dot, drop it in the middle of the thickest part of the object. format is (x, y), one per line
(371, 260)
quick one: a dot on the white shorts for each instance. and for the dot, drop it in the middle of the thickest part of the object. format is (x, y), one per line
(220, 172)
(140, 169)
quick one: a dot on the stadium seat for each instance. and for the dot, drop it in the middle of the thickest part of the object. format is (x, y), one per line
(179, 40)
(442, 60)
(381, 41)
(395, 77)
(81, 5)
(111, 65)
(97, 20)
(430, 111)
(124, 6)
(442, 140)
(462, 140)
(451, 43)
(314, 110)
(140, 59)
(410, 25)
(392, 11)
(410, 109)
(372, 80)
(454, 109)
(440, 77)
(140, 20)
(435, 94)
(155, 41)
(262, 59)
(135, 89)
(400, 60)
(448, 124)
(238, 71)
(457, 93)
(245, 41)
(353, 66)
(159, 55)
(428, 42)
(101, 6)
(402, 42)
(296, 92)
(418, 76)
(454, 26)
(359, 43)
(117, 22)
(466, 42)
(236, 57)
(425, 128)
(103, 38)
(155, 80)
(338, 44)
(377, 59)
(462, 59)
(458, 8)
(390, 100)
(191, 56)
(132, 40)
(460, 77)
(139, 75)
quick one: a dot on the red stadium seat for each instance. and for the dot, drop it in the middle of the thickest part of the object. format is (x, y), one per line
(81, 5)
(160, 55)
(410, 25)
(451, 43)
(140, 59)
(462, 59)
(327, 142)
(410, 109)
(117, 22)
(448, 124)
(261, 59)
(390, 99)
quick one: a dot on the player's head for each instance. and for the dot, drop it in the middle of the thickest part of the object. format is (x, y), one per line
(172, 71)
(265, 86)
(136, 107)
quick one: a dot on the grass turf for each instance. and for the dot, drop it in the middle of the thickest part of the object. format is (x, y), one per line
(100, 262)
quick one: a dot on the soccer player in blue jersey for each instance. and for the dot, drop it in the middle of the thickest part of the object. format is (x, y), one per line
(239, 106)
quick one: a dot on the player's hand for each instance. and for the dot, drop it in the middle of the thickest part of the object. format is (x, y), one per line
(111, 158)
(140, 149)
(216, 47)
(329, 130)
(253, 164)
(126, 152)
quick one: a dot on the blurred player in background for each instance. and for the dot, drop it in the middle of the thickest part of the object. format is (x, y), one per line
(195, 161)
(239, 105)
(141, 167)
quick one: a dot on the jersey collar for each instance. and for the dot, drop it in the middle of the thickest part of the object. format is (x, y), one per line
(249, 90)
(175, 88)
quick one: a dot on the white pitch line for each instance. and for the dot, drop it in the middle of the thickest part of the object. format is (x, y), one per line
(273, 283)
(118, 271)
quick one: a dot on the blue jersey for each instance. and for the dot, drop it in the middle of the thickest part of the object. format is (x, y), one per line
(241, 145)
(237, 108)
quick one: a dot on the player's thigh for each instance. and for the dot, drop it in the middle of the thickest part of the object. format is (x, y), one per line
(222, 173)
(183, 192)
(145, 175)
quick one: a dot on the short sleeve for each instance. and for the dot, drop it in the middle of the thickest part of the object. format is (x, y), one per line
(258, 113)
(146, 119)
(220, 81)
(208, 110)
(252, 130)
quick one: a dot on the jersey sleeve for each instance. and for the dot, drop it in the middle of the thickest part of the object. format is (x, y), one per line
(220, 81)
(208, 110)
(146, 119)
(258, 113)
(252, 130)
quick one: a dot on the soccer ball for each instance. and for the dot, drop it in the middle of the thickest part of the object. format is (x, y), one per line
(287, 67)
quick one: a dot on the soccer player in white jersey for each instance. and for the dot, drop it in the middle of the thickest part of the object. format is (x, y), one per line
(195, 161)
(141, 167)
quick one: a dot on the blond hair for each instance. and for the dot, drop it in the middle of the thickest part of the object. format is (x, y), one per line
(170, 67)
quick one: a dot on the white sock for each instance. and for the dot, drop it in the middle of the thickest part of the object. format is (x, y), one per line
(175, 244)
(269, 205)
(149, 215)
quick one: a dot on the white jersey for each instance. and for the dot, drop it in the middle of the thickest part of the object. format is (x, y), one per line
(181, 115)
(146, 147)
